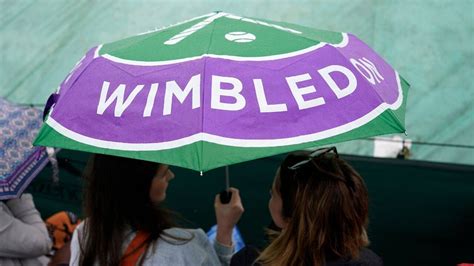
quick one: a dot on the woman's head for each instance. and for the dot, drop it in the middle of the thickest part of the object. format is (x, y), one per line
(321, 203)
(130, 184)
(121, 193)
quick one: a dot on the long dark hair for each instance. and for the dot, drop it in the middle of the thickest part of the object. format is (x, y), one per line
(116, 199)
(325, 204)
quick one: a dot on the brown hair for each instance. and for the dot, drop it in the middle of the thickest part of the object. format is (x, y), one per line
(325, 204)
(116, 199)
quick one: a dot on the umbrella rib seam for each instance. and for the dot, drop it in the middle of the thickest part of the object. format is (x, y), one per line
(203, 81)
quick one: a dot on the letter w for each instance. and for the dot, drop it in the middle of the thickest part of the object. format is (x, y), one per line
(118, 95)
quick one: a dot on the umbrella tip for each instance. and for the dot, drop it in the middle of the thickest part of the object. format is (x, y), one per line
(200, 172)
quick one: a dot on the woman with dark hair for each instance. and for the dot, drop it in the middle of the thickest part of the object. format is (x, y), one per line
(125, 224)
(321, 205)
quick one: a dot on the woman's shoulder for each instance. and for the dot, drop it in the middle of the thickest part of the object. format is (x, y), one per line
(176, 246)
(369, 257)
(179, 246)
(183, 236)
(366, 258)
(80, 226)
(173, 236)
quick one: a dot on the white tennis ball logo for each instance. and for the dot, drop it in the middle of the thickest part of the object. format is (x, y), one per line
(240, 36)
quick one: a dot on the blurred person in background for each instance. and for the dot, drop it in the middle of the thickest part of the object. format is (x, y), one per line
(24, 239)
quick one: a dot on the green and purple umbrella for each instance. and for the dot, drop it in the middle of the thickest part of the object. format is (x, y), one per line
(221, 89)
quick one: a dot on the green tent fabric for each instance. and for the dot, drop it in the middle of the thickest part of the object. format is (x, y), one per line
(428, 42)
(420, 213)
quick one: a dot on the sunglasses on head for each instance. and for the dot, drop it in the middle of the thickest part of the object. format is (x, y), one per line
(330, 152)
(315, 154)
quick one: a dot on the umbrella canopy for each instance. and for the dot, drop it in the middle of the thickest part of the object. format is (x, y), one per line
(221, 89)
(20, 162)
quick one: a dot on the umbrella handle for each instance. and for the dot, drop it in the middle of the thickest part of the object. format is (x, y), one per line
(225, 196)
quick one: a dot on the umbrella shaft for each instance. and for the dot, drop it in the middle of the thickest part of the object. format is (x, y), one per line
(227, 182)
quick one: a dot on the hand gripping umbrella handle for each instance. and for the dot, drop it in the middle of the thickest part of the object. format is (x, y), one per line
(225, 196)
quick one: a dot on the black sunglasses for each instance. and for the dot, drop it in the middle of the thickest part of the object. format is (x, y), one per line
(325, 152)
(315, 154)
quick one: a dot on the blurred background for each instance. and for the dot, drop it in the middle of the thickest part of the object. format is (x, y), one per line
(422, 204)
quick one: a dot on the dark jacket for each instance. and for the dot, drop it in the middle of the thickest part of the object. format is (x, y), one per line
(367, 257)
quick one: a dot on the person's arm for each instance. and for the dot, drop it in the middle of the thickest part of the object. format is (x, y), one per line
(227, 216)
(211, 255)
(224, 253)
(22, 231)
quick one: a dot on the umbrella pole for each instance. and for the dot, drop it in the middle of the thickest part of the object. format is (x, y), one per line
(227, 181)
(226, 195)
